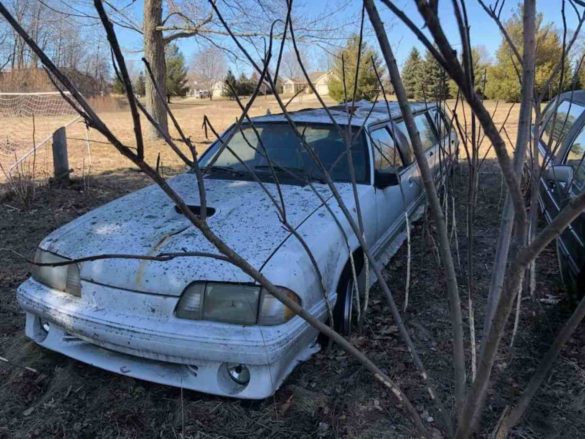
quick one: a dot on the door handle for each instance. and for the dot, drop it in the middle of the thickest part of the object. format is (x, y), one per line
(410, 181)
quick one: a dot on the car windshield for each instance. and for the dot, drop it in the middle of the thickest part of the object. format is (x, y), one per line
(275, 148)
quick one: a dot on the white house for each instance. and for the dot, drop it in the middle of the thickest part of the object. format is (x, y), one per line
(320, 80)
(217, 89)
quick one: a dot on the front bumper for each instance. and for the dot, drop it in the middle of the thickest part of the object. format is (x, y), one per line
(137, 334)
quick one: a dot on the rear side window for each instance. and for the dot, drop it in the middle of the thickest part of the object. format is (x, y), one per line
(559, 124)
(441, 123)
(386, 155)
(575, 159)
(425, 130)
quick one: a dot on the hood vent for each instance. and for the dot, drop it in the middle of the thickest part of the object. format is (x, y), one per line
(197, 210)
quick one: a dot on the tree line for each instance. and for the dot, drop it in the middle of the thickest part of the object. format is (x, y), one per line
(73, 47)
(176, 76)
(424, 79)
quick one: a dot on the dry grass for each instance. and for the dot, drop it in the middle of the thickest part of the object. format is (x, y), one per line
(102, 157)
(505, 117)
(97, 157)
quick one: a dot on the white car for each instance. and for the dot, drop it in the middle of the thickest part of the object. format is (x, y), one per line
(201, 323)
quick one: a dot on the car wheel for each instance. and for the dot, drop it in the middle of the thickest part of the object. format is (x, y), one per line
(343, 313)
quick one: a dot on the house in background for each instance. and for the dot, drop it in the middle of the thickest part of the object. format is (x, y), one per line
(291, 86)
(217, 89)
(320, 80)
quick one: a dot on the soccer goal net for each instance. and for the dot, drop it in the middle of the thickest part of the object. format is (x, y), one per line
(27, 124)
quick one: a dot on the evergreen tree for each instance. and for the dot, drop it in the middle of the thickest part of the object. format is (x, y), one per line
(503, 81)
(412, 74)
(245, 86)
(367, 83)
(481, 64)
(118, 86)
(577, 76)
(176, 72)
(140, 85)
(434, 85)
(230, 86)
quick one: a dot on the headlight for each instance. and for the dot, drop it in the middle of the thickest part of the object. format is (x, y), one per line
(241, 304)
(63, 278)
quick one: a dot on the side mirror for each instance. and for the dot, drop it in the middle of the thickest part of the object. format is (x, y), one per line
(560, 174)
(383, 179)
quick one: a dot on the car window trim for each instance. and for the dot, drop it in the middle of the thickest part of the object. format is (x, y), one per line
(400, 144)
(231, 131)
(385, 126)
(563, 149)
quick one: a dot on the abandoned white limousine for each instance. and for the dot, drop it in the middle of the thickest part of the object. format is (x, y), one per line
(201, 323)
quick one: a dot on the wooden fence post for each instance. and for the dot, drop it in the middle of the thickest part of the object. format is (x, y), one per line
(60, 159)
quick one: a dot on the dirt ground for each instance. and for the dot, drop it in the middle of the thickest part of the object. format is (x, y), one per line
(330, 395)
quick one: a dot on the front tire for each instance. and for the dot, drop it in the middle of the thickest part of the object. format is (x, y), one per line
(343, 311)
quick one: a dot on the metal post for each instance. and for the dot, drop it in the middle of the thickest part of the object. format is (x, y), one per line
(60, 159)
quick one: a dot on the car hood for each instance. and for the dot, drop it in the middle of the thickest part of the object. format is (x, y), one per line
(147, 223)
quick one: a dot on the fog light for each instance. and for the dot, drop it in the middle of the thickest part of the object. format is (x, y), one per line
(239, 373)
(45, 325)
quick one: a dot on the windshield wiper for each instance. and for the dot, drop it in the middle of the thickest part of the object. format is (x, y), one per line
(291, 171)
(227, 169)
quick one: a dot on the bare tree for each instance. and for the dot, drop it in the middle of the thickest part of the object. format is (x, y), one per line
(208, 67)
(290, 66)
(71, 43)
(136, 155)
(514, 242)
(5, 56)
(521, 250)
(154, 53)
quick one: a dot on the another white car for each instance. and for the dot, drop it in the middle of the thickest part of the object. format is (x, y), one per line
(201, 323)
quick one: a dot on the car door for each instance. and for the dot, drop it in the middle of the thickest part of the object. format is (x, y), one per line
(389, 201)
(559, 127)
(410, 181)
(572, 240)
(447, 140)
(429, 141)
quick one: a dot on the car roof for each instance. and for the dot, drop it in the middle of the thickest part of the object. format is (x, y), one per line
(364, 112)
(575, 96)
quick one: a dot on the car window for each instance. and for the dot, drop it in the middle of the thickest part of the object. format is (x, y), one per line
(386, 155)
(277, 144)
(425, 130)
(575, 158)
(548, 110)
(441, 123)
(560, 123)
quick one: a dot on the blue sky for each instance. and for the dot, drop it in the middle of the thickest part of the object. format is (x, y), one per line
(483, 31)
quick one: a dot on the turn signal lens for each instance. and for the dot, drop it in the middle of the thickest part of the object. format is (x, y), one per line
(63, 277)
(273, 311)
(191, 302)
